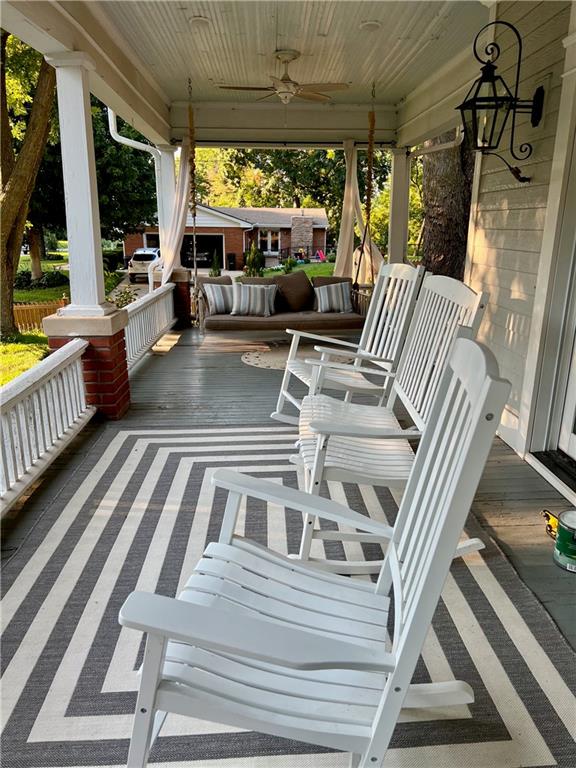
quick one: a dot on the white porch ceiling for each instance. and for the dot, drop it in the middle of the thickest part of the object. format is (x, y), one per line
(145, 50)
(237, 44)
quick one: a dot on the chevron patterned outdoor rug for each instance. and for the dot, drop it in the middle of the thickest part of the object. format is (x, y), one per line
(137, 513)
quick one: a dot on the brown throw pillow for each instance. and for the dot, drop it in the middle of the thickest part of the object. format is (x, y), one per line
(295, 292)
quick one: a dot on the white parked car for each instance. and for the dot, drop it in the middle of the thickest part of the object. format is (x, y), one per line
(140, 261)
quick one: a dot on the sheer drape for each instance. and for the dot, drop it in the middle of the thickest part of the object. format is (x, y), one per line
(346, 256)
(173, 236)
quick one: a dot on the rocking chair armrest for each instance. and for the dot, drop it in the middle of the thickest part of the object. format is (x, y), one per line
(228, 631)
(353, 354)
(246, 485)
(353, 430)
(326, 339)
(347, 367)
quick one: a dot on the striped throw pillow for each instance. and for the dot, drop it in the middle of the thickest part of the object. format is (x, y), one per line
(219, 298)
(253, 299)
(334, 298)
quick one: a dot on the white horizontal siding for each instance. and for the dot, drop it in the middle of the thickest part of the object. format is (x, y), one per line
(509, 217)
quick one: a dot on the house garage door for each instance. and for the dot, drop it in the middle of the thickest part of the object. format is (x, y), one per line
(207, 247)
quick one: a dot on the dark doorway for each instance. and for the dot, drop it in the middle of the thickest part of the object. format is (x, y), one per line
(207, 246)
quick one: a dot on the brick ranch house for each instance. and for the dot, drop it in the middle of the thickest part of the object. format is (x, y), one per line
(229, 232)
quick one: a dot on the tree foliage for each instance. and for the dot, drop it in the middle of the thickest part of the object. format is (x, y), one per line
(20, 156)
(126, 181)
(289, 178)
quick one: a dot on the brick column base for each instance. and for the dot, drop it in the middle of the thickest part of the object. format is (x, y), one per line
(182, 296)
(104, 361)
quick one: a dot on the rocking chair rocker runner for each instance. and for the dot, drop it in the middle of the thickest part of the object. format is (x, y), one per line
(380, 344)
(262, 642)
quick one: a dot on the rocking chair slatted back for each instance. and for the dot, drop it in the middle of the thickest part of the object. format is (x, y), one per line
(385, 331)
(443, 305)
(390, 312)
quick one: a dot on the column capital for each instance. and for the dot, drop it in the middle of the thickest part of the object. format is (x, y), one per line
(70, 59)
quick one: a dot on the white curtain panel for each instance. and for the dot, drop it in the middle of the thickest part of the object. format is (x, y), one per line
(171, 238)
(346, 257)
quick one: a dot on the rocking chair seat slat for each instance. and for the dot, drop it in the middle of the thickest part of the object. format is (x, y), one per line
(385, 460)
(291, 573)
(229, 710)
(209, 569)
(339, 380)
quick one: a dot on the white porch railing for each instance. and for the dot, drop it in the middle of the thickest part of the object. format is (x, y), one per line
(148, 319)
(42, 410)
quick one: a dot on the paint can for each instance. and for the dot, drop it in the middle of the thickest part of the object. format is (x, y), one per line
(565, 547)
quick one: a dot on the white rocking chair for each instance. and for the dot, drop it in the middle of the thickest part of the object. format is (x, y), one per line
(380, 344)
(261, 642)
(357, 443)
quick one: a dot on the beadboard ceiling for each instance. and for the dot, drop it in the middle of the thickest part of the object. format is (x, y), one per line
(237, 44)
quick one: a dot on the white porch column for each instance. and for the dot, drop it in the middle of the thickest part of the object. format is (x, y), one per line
(81, 194)
(399, 205)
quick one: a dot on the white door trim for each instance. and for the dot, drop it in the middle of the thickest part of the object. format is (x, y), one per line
(550, 301)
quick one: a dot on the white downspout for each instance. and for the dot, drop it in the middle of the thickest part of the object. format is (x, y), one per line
(162, 202)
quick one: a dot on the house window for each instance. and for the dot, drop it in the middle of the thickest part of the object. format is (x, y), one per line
(269, 241)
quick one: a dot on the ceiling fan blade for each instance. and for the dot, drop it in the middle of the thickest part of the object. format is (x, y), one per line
(312, 96)
(324, 87)
(245, 88)
(268, 96)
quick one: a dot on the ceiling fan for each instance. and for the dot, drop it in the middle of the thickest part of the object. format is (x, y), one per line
(286, 89)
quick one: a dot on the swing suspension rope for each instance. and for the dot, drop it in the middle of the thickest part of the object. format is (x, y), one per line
(367, 236)
(192, 166)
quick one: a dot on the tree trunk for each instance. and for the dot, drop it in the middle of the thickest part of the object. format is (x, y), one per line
(36, 241)
(9, 258)
(447, 188)
(18, 178)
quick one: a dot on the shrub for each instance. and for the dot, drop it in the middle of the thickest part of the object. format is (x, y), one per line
(50, 241)
(254, 262)
(51, 279)
(53, 256)
(123, 297)
(113, 258)
(111, 280)
(289, 265)
(331, 257)
(215, 270)
(23, 279)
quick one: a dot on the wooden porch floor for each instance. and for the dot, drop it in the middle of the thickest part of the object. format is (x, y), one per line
(193, 380)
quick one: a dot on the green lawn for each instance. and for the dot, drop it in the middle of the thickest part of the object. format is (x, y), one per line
(312, 270)
(22, 353)
(47, 264)
(41, 295)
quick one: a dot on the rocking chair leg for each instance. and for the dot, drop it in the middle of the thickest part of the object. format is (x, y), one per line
(313, 486)
(144, 717)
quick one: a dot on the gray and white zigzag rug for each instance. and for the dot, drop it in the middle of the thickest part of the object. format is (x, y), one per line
(140, 516)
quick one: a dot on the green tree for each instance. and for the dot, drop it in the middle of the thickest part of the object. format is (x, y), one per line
(126, 181)
(27, 86)
(298, 178)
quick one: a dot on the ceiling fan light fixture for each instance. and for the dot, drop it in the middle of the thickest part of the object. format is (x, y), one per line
(199, 21)
(370, 25)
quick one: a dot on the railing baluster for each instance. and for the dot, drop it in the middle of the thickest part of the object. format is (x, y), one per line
(43, 409)
(148, 318)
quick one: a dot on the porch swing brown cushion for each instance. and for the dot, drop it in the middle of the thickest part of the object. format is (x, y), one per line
(304, 320)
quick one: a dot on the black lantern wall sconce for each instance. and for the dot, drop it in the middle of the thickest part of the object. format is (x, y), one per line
(490, 102)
